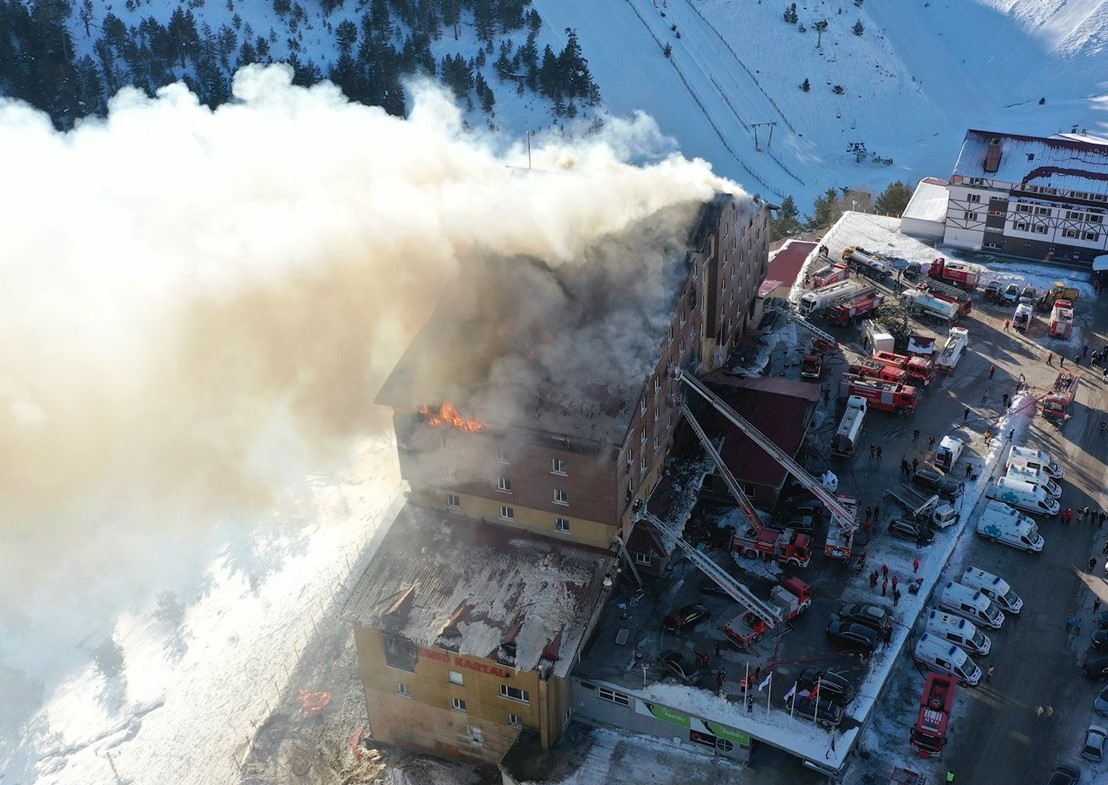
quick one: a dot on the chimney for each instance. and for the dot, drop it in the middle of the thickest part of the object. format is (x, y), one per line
(992, 156)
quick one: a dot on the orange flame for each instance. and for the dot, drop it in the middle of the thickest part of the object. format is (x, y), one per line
(448, 414)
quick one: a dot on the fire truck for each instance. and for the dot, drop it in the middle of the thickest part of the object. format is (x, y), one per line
(901, 399)
(787, 546)
(920, 371)
(827, 274)
(874, 369)
(811, 367)
(1057, 402)
(958, 297)
(790, 599)
(935, 706)
(866, 302)
(871, 265)
(961, 275)
(1061, 319)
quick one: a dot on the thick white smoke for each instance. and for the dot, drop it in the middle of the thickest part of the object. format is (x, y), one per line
(200, 304)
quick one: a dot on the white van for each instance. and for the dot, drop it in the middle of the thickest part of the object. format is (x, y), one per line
(958, 630)
(1036, 459)
(993, 587)
(950, 450)
(1001, 523)
(1019, 471)
(972, 604)
(941, 655)
(1023, 496)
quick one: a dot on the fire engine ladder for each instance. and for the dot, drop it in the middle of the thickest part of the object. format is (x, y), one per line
(947, 290)
(807, 325)
(728, 478)
(735, 590)
(843, 515)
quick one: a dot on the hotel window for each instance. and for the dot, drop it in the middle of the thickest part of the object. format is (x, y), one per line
(642, 465)
(1042, 211)
(657, 384)
(504, 484)
(642, 404)
(1070, 233)
(476, 735)
(515, 694)
(502, 456)
(557, 466)
(1019, 226)
(1092, 236)
(643, 558)
(657, 442)
(404, 689)
(973, 197)
(459, 704)
(561, 525)
(1038, 229)
(642, 437)
(457, 678)
(968, 216)
(515, 720)
(1094, 218)
(560, 496)
(1023, 208)
(613, 696)
(1073, 216)
(507, 513)
(452, 500)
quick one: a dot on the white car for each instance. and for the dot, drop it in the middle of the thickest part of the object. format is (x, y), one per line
(1095, 738)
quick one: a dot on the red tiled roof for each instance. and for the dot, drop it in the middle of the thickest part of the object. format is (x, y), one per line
(779, 408)
(785, 264)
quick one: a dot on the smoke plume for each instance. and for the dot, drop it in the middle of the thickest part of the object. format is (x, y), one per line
(201, 304)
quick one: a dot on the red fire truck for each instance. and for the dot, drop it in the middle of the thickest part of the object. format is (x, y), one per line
(1057, 402)
(960, 275)
(958, 297)
(827, 274)
(856, 309)
(874, 369)
(935, 705)
(786, 547)
(920, 371)
(901, 399)
(790, 599)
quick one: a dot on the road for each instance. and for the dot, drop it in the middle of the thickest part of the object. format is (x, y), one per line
(996, 736)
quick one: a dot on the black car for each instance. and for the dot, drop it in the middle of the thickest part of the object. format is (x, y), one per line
(833, 686)
(852, 636)
(1102, 620)
(871, 616)
(689, 616)
(1100, 639)
(1096, 667)
(935, 480)
(679, 668)
(920, 534)
(821, 711)
(805, 524)
(1064, 774)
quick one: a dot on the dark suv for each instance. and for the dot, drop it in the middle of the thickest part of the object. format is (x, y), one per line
(832, 686)
(1064, 774)
(935, 480)
(689, 616)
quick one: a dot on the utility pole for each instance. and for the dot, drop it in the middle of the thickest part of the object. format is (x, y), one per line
(529, 135)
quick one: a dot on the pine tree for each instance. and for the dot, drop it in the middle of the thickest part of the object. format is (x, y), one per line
(858, 28)
(806, 85)
(786, 223)
(894, 199)
(826, 210)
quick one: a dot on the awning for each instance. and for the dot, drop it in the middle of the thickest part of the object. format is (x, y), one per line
(1100, 262)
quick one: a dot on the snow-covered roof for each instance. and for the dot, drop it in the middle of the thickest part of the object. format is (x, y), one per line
(928, 203)
(1033, 159)
(468, 586)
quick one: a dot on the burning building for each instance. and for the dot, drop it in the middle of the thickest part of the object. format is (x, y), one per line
(531, 413)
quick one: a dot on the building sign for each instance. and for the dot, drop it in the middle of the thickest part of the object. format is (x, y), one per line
(701, 731)
(462, 662)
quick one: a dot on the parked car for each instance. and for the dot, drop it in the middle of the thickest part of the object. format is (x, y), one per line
(679, 668)
(708, 586)
(805, 524)
(689, 616)
(1102, 620)
(921, 534)
(1095, 738)
(852, 636)
(1100, 702)
(1096, 667)
(872, 616)
(1100, 639)
(1011, 294)
(821, 711)
(1064, 774)
(833, 686)
(936, 481)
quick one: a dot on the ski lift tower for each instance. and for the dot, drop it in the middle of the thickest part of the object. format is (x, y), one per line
(769, 142)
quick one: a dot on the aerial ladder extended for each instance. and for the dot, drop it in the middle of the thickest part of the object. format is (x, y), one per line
(728, 479)
(735, 590)
(842, 513)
